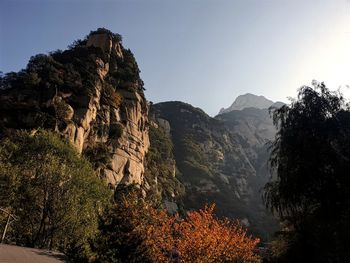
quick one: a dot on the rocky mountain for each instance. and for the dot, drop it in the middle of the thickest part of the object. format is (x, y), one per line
(91, 94)
(251, 101)
(221, 160)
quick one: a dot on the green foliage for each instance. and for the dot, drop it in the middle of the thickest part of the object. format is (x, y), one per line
(62, 109)
(116, 130)
(189, 133)
(160, 165)
(53, 192)
(101, 30)
(80, 68)
(161, 145)
(119, 239)
(99, 155)
(311, 155)
(196, 171)
(127, 73)
(74, 73)
(195, 163)
(73, 70)
(77, 43)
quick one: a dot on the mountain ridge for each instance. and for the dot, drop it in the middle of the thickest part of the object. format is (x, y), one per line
(221, 160)
(250, 100)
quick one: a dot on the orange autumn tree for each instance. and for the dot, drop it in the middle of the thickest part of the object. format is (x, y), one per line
(132, 230)
(204, 238)
(141, 233)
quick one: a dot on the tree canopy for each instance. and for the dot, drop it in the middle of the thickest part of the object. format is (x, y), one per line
(52, 191)
(311, 159)
(133, 230)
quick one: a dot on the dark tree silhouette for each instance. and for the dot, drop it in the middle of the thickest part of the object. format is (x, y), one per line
(311, 194)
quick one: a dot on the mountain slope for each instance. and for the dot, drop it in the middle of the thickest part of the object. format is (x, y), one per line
(215, 164)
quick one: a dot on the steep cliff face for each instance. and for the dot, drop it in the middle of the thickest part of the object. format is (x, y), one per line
(161, 174)
(214, 165)
(255, 129)
(217, 164)
(91, 94)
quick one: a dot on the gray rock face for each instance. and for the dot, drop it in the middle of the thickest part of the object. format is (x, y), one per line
(250, 101)
(164, 124)
(130, 148)
(207, 154)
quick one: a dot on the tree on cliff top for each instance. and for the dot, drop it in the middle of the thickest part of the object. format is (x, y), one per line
(311, 155)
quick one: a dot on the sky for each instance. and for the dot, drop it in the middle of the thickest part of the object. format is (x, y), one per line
(204, 52)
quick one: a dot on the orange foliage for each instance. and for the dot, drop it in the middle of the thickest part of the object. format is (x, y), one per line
(199, 237)
(203, 238)
(158, 234)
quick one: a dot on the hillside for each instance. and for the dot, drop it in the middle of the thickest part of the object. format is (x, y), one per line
(219, 162)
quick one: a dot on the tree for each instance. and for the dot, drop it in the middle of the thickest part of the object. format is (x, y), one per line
(311, 158)
(51, 190)
(132, 230)
(203, 238)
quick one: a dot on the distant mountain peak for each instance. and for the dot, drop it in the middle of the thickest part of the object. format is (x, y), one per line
(250, 100)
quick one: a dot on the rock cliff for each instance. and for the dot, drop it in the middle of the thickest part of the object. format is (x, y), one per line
(222, 160)
(91, 94)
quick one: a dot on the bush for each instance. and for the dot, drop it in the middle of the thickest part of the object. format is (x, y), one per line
(99, 155)
(116, 130)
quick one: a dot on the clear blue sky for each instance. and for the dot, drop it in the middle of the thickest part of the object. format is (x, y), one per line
(205, 52)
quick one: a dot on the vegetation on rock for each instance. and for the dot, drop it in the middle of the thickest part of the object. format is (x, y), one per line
(161, 173)
(91, 94)
(217, 165)
(71, 74)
